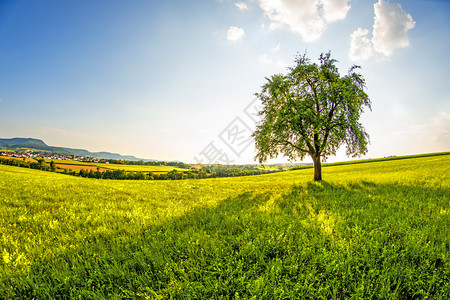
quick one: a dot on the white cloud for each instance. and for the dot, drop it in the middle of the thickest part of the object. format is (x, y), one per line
(438, 130)
(235, 34)
(274, 60)
(264, 59)
(307, 18)
(423, 138)
(241, 6)
(390, 31)
(335, 10)
(361, 47)
(276, 48)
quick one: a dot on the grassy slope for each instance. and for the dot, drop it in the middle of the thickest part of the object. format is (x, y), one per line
(17, 158)
(374, 230)
(141, 168)
(131, 168)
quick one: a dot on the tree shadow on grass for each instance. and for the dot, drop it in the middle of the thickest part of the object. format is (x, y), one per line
(314, 241)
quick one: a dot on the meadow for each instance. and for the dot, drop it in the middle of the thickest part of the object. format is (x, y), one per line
(378, 230)
(77, 165)
(141, 168)
(17, 158)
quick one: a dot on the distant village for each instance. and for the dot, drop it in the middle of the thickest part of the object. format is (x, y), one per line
(37, 155)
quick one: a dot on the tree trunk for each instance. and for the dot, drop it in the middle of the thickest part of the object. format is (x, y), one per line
(317, 168)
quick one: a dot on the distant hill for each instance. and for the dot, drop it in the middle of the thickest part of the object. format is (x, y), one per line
(21, 144)
(28, 142)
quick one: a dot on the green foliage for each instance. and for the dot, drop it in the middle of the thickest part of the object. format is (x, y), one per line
(52, 166)
(178, 164)
(39, 165)
(371, 231)
(126, 167)
(312, 110)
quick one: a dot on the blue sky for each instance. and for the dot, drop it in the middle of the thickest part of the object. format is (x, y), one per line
(172, 80)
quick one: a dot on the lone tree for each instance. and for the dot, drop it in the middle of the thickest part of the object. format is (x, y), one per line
(312, 110)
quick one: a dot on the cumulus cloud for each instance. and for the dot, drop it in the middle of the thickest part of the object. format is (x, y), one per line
(390, 32)
(390, 29)
(241, 6)
(307, 18)
(335, 10)
(235, 34)
(361, 47)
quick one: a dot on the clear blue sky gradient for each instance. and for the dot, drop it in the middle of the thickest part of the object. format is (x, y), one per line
(160, 79)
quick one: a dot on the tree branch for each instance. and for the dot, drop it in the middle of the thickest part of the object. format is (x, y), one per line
(327, 132)
(295, 146)
(316, 98)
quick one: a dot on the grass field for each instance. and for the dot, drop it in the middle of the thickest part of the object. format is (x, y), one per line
(141, 168)
(375, 231)
(18, 158)
(78, 165)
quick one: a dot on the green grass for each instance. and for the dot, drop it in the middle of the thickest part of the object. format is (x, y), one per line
(371, 160)
(375, 230)
(140, 168)
(69, 162)
(128, 168)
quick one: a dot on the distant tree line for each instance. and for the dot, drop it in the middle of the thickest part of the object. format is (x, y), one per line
(39, 165)
(231, 171)
(178, 164)
(193, 173)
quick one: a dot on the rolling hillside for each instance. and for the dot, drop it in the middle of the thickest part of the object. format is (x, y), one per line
(375, 230)
(20, 144)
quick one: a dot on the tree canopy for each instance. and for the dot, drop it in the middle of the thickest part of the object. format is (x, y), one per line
(313, 111)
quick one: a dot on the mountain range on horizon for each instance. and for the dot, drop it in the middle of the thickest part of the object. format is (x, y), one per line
(20, 144)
